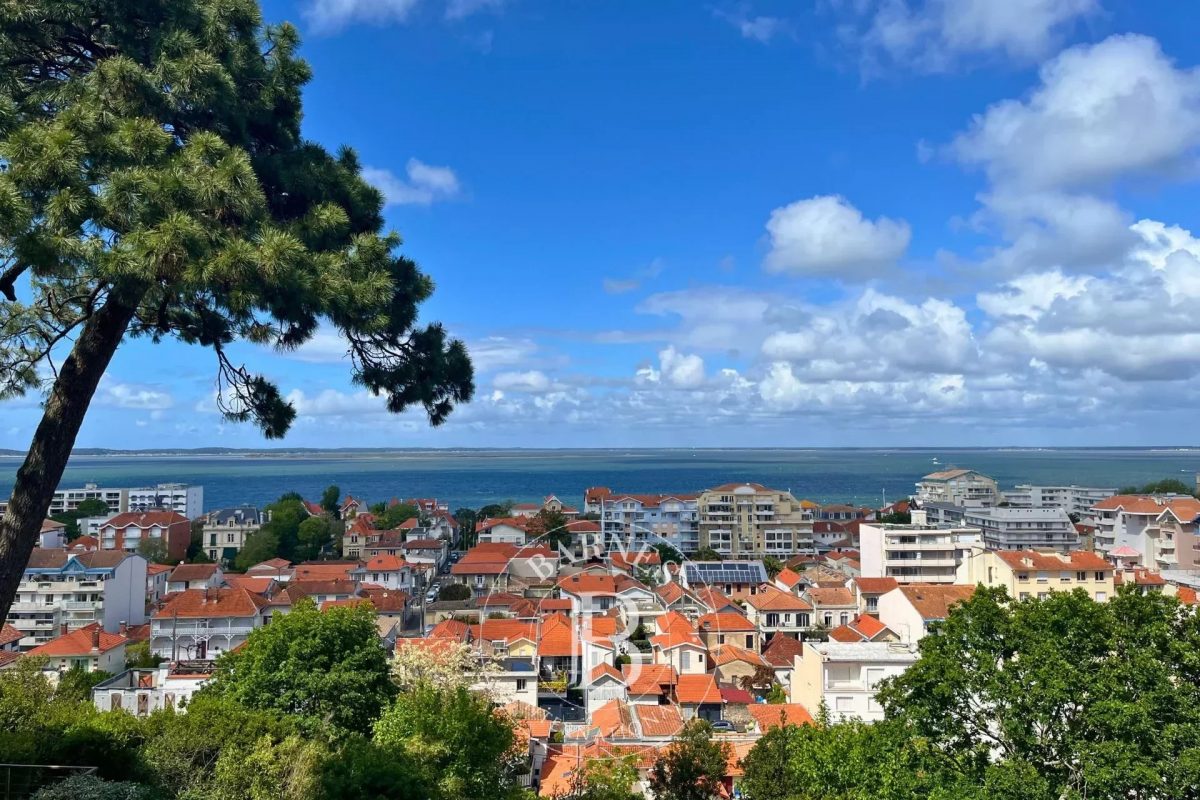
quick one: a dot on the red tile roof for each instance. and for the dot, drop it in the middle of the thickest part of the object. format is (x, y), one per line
(825, 597)
(1184, 509)
(325, 570)
(695, 689)
(1187, 595)
(875, 585)
(658, 721)
(727, 653)
(934, 601)
(649, 678)
(782, 650)
(603, 669)
(385, 562)
(1140, 577)
(200, 603)
(144, 519)
(1032, 559)
(725, 622)
(774, 716)
(586, 583)
(771, 598)
(788, 577)
(81, 642)
(860, 629)
(9, 635)
(192, 572)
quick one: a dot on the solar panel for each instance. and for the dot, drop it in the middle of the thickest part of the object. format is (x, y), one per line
(726, 572)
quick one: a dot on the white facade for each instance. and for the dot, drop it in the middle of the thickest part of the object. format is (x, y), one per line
(915, 553)
(187, 500)
(1023, 528)
(502, 533)
(1072, 499)
(845, 676)
(141, 692)
(960, 487)
(68, 591)
(635, 520)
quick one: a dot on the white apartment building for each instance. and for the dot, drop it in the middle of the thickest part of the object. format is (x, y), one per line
(62, 592)
(1164, 529)
(844, 676)
(647, 519)
(960, 487)
(187, 500)
(177, 497)
(1072, 499)
(1006, 528)
(748, 520)
(916, 553)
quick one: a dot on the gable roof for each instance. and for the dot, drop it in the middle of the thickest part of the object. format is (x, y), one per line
(875, 585)
(724, 622)
(210, 603)
(782, 650)
(693, 689)
(49, 558)
(9, 634)
(860, 629)
(86, 640)
(649, 678)
(144, 519)
(658, 721)
(1020, 560)
(831, 596)
(726, 653)
(779, 715)
(192, 572)
(771, 598)
(788, 577)
(934, 601)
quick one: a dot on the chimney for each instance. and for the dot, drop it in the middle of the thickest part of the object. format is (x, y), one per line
(96, 638)
(123, 628)
(62, 629)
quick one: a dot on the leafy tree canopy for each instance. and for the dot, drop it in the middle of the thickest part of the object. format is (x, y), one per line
(1164, 486)
(324, 666)
(157, 186)
(455, 591)
(330, 499)
(691, 767)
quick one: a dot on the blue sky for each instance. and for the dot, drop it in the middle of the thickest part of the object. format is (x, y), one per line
(844, 222)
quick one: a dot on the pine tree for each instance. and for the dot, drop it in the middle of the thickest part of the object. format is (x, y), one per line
(155, 184)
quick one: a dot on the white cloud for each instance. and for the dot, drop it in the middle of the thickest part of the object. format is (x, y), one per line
(132, 395)
(760, 28)
(826, 236)
(459, 9)
(491, 352)
(423, 186)
(634, 281)
(529, 381)
(934, 35)
(330, 16)
(1100, 113)
(331, 402)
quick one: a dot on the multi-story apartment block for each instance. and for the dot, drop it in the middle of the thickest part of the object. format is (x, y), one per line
(748, 520)
(226, 531)
(635, 520)
(915, 553)
(187, 500)
(62, 592)
(1028, 573)
(843, 677)
(1006, 528)
(961, 487)
(1162, 528)
(1077, 500)
(127, 531)
(178, 497)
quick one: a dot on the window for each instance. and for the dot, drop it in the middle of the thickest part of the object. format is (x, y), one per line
(828, 619)
(1043, 577)
(1101, 597)
(721, 639)
(1023, 596)
(685, 660)
(802, 620)
(229, 538)
(772, 620)
(521, 684)
(874, 676)
(500, 648)
(1023, 577)
(844, 618)
(872, 603)
(750, 641)
(844, 704)
(1081, 576)
(1099, 576)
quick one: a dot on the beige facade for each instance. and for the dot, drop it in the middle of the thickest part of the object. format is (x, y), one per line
(1031, 573)
(749, 520)
(960, 487)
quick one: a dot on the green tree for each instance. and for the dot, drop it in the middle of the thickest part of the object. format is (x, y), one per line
(330, 500)
(692, 766)
(550, 527)
(392, 515)
(466, 520)
(270, 770)
(707, 554)
(326, 667)
(668, 554)
(91, 507)
(773, 566)
(140, 656)
(465, 749)
(896, 518)
(156, 185)
(89, 787)
(455, 591)
(604, 779)
(495, 510)
(312, 536)
(153, 550)
(260, 546)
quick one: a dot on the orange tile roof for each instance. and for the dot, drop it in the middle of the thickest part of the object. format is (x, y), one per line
(934, 601)
(506, 630)
(1032, 559)
(589, 583)
(613, 720)
(157, 569)
(1141, 577)
(386, 563)
(211, 603)
(557, 637)
(9, 635)
(325, 571)
(603, 669)
(1185, 509)
(450, 629)
(386, 600)
(192, 572)
(658, 721)
(1187, 595)
(713, 599)
(259, 584)
(727, 653)
(771, 598)
(862, 628)
(144, 519)
(788, 577)
(782, 650)
(693, 689)
(649, 678)
(774, 716)
(81, 642)
(839, 596)
(724, 622)
(875, 585)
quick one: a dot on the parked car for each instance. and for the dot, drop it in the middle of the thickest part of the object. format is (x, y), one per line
(723, 726)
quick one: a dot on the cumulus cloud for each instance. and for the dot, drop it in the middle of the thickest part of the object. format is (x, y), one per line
(529, 381)
(424, 184)
(680, 370)
(1101, 112)
(460, 9)
(935, 35)
(827, 236)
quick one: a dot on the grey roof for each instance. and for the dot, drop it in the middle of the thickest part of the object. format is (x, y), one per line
(241, 515)
(709, 572)
(894, 652)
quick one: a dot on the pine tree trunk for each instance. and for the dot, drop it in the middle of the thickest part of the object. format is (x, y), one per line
(62, 417)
